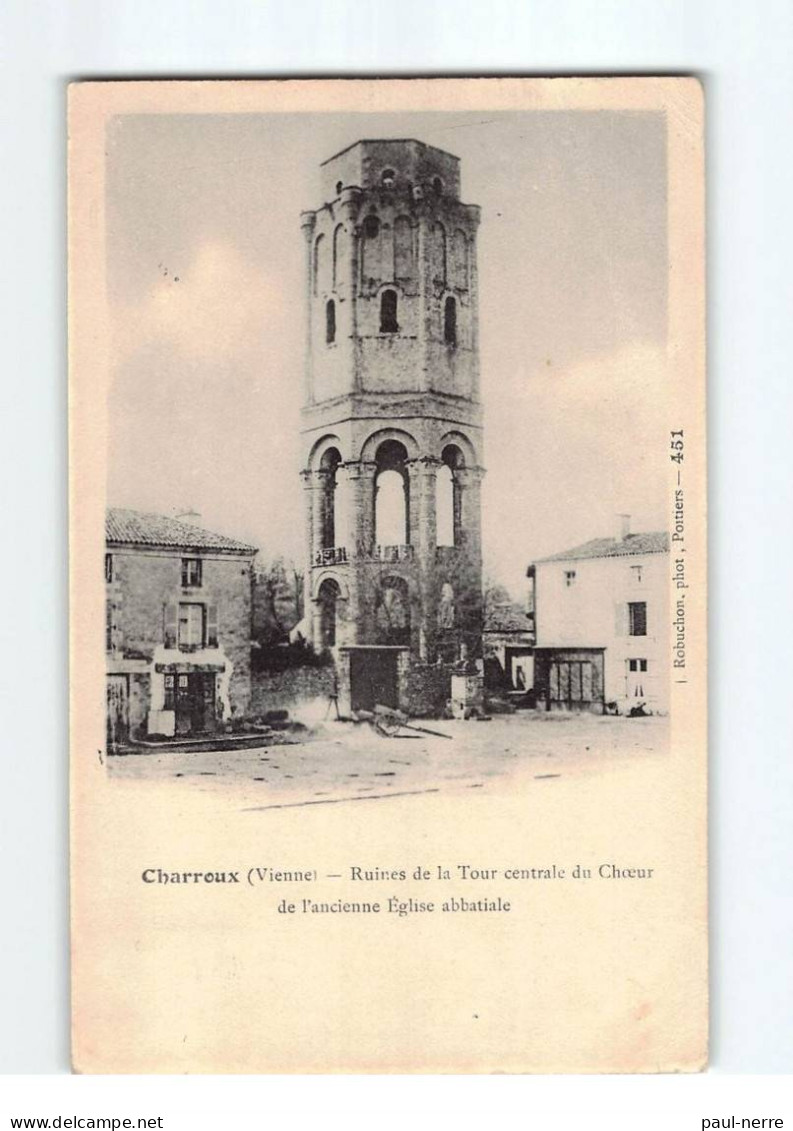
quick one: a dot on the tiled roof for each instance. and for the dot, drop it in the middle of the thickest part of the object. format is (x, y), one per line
(506, 618)
(656, 542)
(127, 527)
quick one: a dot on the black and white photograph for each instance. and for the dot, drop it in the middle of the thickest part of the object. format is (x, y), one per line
(387, 445)
(390, 510)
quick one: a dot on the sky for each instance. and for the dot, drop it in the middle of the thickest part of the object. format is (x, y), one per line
(205, 288)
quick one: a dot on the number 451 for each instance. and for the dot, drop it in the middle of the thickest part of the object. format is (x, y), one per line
(676, 444)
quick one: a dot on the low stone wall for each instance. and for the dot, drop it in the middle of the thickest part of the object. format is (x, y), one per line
(425, 689)
(286, 690)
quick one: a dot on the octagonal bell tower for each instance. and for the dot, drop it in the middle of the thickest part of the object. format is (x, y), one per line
(392, 425)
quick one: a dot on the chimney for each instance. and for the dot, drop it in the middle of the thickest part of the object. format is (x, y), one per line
(623, 527)
(191, 517)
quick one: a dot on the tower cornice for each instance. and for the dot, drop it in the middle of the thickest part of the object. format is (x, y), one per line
(373, 406)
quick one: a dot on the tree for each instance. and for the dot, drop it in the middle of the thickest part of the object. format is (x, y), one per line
(494, 595)
(277, 600)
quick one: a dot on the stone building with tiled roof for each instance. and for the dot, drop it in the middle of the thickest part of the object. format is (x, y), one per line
(507, 643)
(627, 546)
(602, 622)
(178, 626)
(125, 527)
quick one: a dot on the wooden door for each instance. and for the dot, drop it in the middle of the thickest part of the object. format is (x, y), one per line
(184, 704)
(373, 679)
(572, 683)
(195, 702)
(637, 682)
(117, 709)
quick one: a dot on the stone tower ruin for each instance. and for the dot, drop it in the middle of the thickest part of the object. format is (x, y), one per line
(392, 424)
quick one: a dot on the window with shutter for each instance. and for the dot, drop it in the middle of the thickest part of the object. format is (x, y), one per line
(212, 626)
(191, 627)
(191, 573)
(637, 613)
(621, 619)
(169, 615)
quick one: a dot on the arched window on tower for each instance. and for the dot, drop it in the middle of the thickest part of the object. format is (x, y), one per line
(444, 505)
(392, 519)
(388, 313)
(448, 497)
(450, 321)
(329, 465)
(330, 321)
(329, 594)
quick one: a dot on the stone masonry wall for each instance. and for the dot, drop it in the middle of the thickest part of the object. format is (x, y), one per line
(428, 689)
(287, 690)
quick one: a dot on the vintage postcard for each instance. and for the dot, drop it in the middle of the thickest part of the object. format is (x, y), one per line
(388, 576)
